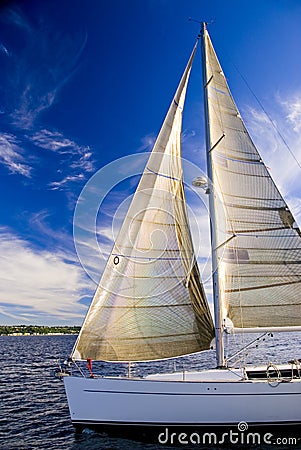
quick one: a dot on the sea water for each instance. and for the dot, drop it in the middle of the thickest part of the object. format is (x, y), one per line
(34, 412)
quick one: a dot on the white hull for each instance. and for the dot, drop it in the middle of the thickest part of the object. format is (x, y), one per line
(215, 397)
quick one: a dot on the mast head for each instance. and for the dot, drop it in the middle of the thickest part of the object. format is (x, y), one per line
(203, 26)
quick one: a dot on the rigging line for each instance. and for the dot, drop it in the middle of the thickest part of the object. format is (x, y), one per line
(248, 345)
(226, 242)
(238, 265)
(268, 116)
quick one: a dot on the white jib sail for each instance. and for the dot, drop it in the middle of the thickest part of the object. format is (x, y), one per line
(150, 303)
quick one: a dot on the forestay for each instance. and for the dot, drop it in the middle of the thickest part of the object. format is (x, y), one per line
(259, 245)
(150, 303)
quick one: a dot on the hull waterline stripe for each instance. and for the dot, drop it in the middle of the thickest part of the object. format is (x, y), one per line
(181, 424)
(220, 394)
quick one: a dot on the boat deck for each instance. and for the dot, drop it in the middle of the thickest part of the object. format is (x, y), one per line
(204, 375)
(230, 374)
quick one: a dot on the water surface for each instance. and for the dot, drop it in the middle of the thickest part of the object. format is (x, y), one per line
(34, 412)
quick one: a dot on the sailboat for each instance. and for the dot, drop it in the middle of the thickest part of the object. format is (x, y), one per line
(150, 303)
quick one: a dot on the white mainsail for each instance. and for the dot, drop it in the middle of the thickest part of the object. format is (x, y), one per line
(258, 242)
(150, 303)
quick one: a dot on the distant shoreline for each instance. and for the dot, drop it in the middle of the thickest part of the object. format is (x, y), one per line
(39, 334)
(38, 330)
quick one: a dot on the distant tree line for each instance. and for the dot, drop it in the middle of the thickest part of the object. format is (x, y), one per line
(37, 329)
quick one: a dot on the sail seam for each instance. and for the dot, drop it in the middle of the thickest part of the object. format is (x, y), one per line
(213, 147)
(163, 175)
(258, 230)
(242, 160)
(255, 208)
(254, 262)
(210, 79)
(255, 249)
(154, 258)
(264, 199)
(148, 306)
(177, 104)
(157, 336)
(269, 276)
(220, 91)
(263, 287)
(244, 174)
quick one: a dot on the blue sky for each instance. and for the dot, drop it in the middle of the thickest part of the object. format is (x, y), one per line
(85, 83)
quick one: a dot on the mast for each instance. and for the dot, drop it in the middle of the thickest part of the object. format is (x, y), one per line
(219, 341)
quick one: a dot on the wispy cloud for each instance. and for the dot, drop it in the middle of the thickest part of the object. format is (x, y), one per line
(84, 162)
(80, 157)
(147, 142)
(39, 69)
(33, 77)
(56, 142)
(11, 155)
(59, 238)
(292, 107)
(4, 50)
(79, 160)
(39, 283)
(74, 168)
(279, 143)
(55, 185)
(16, 17)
